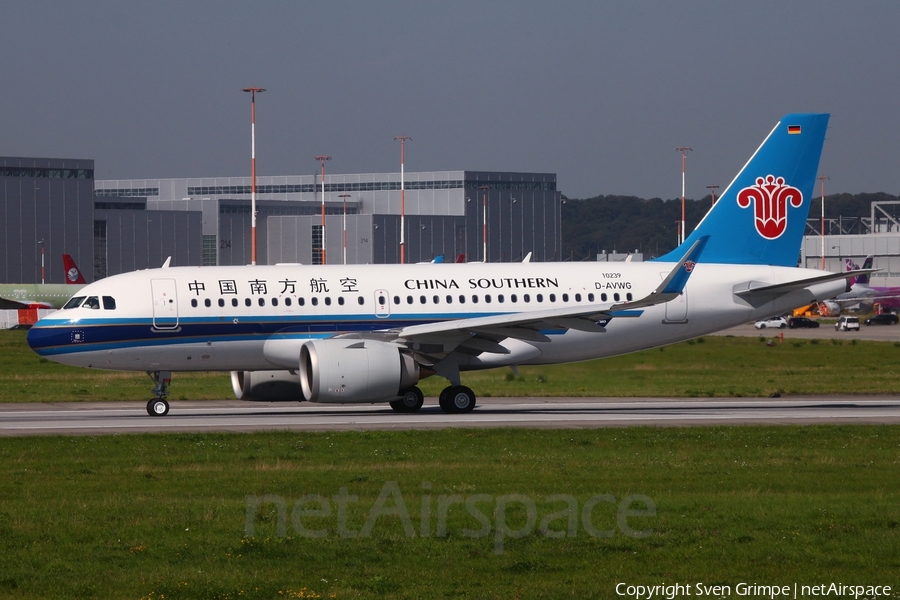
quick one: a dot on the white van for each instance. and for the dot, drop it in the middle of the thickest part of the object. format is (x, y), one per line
(847, 324)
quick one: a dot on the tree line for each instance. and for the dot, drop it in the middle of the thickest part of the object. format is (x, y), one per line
(627, 223)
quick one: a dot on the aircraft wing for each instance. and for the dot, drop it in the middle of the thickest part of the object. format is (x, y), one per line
(755, 288)
(482, 334)
(11, 304)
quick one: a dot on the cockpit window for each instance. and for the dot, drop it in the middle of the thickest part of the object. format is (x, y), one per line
(109, 303)
(74, 302)
(92, 302)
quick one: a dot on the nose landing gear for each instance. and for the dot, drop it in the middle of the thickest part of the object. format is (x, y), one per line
(159, 407)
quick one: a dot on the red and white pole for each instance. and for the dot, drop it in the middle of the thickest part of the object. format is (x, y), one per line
(822, 225)
(253, 91)
(344, 197)
(322, 159)
(684, 150)
(402, 139)
(484, 189)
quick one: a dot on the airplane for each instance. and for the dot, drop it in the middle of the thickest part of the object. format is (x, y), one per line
(369, 333)
(16, 296)
(862, 294)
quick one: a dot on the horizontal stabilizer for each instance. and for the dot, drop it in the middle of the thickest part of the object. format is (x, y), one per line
(752, 288)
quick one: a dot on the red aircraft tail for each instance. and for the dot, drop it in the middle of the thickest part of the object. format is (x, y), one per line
(73, 273)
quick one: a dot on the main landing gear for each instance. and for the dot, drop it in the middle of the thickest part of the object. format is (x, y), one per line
(453, 399)
(457, 399)
(159, 407)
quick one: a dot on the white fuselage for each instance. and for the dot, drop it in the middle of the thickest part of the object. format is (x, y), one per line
(256, 317)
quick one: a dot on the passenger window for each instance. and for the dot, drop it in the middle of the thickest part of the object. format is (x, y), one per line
(301, 301)
(247, 302)
(590, 297)
(109, 303)
(578, 298)
(262, 301)
(603, 297)
(341, 300)
(436, 299)
(422, 300)
(327, 300)
(288, 302)
(234, 301)
(565, 297)
(409, 300)
(194, 302)
(74, 302)
(513, 298)
(474, 299)
(315, 301)
(552, 297)
(380, 300)
(221, 302)
(462, 299)
(500, 298)
(361, 301)
(526, 297)
(274, 301)
(540, 297)
(487, 298)
(207, 303)
(92, 302)
(449, 299)
(616, 296)
(396, 300)
(628, 296)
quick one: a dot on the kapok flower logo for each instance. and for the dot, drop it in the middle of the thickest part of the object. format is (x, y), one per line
(770, 197)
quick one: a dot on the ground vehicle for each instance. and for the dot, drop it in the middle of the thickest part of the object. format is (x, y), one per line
(773, 323)
(847, 324)
(802, 323)
(883, 319)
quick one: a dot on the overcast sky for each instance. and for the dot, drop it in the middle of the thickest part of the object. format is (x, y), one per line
(600, 93)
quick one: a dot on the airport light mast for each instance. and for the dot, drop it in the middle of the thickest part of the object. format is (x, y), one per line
(322, 159)
(344, 198)
(712, 190)
(484, 189)
(402, 139)
(822, 178)
(41, 242)
(253, 91)
(684, 150)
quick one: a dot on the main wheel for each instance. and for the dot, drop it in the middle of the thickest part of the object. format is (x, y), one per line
(157, 407)
(411, 400)
(457, 399)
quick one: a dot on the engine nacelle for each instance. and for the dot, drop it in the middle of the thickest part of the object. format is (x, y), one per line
(266, 385)
(352, 370)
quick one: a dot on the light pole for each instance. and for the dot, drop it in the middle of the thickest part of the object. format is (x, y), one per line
(712, 190)
(484, 189)
(322, 159)
(344, 198)
(253, 91)
(822, 178)
(684, 150)
(41, 242)
(402, 139)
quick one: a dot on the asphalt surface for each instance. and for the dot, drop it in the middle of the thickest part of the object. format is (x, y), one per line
(97, 418)
(232, 415)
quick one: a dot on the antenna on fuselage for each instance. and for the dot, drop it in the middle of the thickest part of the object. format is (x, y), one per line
(166, 264)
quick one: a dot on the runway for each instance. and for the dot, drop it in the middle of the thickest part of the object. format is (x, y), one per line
(230, 415)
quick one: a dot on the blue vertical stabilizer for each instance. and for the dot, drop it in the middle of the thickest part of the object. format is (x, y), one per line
(761, 216)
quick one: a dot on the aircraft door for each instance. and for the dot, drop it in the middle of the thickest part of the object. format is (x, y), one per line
(382, 304)
(676, 309)
(165, 303)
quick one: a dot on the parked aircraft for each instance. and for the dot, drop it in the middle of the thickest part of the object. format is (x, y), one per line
(43, 295)
(863, 295)
(369, 333)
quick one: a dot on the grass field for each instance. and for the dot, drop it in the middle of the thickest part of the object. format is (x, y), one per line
(713, 366)
(165, 516)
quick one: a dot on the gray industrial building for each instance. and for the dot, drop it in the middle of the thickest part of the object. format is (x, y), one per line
(444, 215)
(45, 199)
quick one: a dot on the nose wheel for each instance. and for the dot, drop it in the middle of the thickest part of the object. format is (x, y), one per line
(159, 406)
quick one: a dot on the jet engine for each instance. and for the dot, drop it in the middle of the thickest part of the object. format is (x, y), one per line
(352, 370)
(266, 385)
